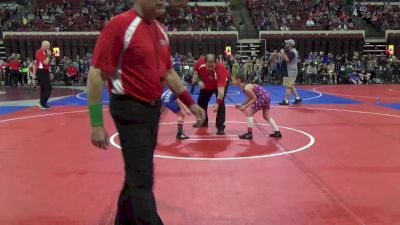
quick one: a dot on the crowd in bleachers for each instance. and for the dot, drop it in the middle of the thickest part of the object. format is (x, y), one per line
(91, 15)
(196, 18)
(6, 14)
(329, 69)
(300, 15)
(65, 71)
(317, 68)
(382, 17)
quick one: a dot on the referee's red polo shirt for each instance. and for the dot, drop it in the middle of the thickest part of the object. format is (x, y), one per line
(146, 57)
(40, 56)
(212, 80)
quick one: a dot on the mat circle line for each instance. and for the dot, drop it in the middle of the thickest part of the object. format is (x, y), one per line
(82, 98)
(357, 96)
(235, 93)
(281, 107)
(310, 98)
(305, 147)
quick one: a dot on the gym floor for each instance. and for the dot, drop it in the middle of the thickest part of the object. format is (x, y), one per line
(338, 162)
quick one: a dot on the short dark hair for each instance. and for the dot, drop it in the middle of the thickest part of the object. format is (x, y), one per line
(241, 77)
(211, 57)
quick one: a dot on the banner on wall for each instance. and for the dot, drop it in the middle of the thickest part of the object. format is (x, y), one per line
(228, 50)
(56, 51)
(390, 50)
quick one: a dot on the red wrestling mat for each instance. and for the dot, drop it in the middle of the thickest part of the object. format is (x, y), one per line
(346, 171)
(386, 93)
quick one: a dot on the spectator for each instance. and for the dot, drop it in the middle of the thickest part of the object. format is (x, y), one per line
(331, 73)
(15, 66)
(364, 76)
(311, 73)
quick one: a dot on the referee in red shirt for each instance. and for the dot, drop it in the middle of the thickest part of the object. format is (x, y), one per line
(15, 66)
(132, 53)
(213, 80)
(42, 59)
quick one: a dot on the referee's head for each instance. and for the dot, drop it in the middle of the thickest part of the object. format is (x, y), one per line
(211, 62)
(45, 45)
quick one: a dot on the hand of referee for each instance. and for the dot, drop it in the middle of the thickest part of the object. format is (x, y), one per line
(199, 113)
(216, 107)
(99, 137)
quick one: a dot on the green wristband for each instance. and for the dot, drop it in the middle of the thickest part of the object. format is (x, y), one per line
(96, 114)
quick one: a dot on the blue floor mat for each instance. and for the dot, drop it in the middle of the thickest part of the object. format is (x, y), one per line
(10, 109)
(234, 96)
(392, 105)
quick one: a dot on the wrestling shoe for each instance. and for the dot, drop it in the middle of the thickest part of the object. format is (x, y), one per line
(284, 102)
(276, 134)
(197, 126)
(297, 101)
(246, 136)
(181, 136)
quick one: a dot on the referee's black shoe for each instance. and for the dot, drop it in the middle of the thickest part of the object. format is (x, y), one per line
(221, 131)
(246, 136)
(43, 106)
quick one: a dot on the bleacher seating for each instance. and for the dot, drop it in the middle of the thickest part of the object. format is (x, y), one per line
(272, 15)
(91, 15)
(336, 43)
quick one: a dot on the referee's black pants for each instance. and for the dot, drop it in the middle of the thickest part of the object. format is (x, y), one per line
(137, 125)
(204, 99)
(15, 77)
(45, 85)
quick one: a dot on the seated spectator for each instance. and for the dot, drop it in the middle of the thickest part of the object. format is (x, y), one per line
(311, 73)
(354, 77)
(342, 26)
(284, 27)
(364, 77)
(323, 74)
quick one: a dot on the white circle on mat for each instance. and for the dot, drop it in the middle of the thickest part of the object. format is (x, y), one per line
(305, 147)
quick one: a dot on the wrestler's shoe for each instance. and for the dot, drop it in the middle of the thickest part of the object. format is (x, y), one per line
(284, 102)
(276, 134)
(297, 101)
(181, 136)
(197, 126)
(246, 136)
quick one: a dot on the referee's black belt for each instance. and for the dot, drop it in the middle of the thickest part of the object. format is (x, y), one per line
(153, 103)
